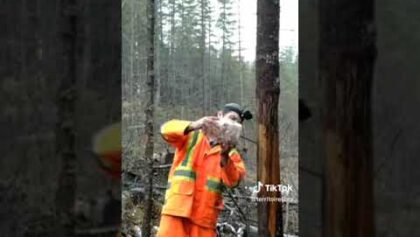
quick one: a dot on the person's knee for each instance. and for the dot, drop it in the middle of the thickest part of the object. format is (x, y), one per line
(170, 227)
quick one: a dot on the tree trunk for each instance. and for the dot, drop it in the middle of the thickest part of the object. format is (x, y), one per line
(222, 94)
(159, 45)
(241, 70)
(268, 91)
(149, 112)
(65, 133)
(133, 50)
(172, 76)
(347, 55)
(203, 55)
(209, 69)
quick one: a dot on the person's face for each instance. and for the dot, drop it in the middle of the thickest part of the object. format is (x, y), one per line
(232, 116)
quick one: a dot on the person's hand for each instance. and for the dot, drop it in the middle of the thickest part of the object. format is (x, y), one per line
(226, 148)
(205, 123)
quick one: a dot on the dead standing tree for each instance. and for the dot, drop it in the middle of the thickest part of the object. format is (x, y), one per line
(268, 91)
(347, 55)
(149, 111)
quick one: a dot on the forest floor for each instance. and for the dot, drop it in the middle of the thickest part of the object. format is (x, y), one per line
(230, 222)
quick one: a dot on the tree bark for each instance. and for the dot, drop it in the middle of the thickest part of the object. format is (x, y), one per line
(149, 111)
(222, 91)
(159, 45)
(347, 56)
(172, 75)
(268, 91)
(241, 63)
(203, 55)
(209, 69)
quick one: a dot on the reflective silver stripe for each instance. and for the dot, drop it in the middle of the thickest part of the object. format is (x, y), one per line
(214, 185)
(185, 173)
(190, 149)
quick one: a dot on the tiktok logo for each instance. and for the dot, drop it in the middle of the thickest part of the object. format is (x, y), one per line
(284, 189)
(259, 186)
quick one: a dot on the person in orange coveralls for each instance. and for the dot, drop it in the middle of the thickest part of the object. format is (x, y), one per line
(200, 170)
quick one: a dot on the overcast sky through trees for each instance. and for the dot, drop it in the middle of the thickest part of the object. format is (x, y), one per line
(288, 25)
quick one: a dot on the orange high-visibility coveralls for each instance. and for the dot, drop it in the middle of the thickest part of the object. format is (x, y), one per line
(193, 199)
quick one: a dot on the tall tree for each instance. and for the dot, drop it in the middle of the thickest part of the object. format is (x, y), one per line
(204, 15)
(225, 23)
(172, 39)
(347, 56)
(241, 64)
(268, 92)
(158, 41)
(149, 112)
(210, 35)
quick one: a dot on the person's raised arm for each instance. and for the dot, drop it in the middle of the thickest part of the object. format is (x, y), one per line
(175, 132)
